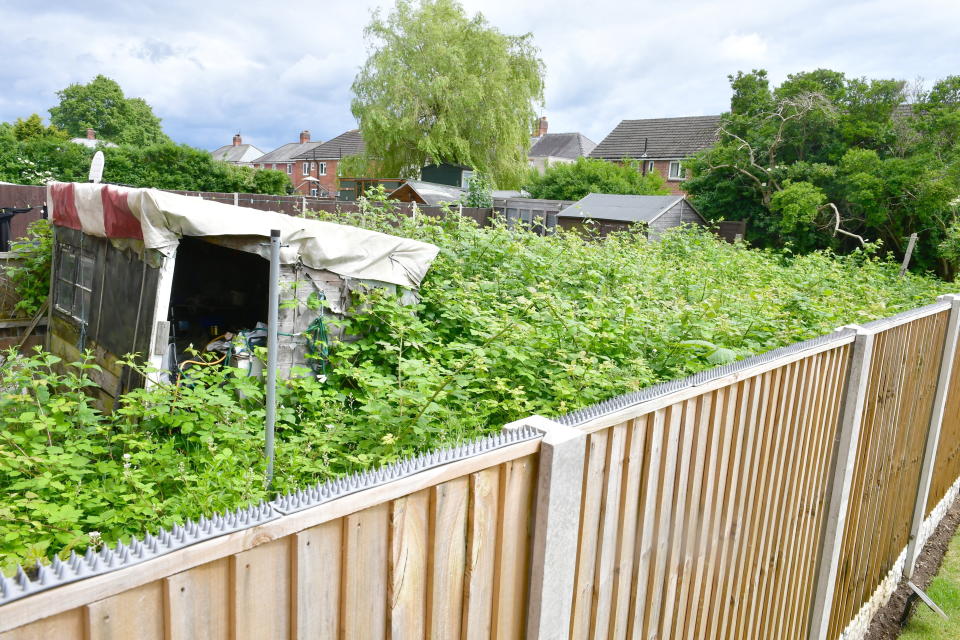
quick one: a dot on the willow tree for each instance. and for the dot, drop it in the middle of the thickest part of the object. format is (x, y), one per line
(441, 86)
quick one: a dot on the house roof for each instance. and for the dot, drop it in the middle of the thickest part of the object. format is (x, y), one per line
(432, 193)
(561, 145)
(623, 208)
(287, 152)
(664, 138)
(237, 153)
(87, 142)
(348, 143)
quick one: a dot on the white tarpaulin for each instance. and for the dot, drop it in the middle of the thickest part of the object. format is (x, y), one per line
(159, 219)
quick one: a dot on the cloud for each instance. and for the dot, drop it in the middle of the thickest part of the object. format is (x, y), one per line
(744, 48)
(270, 70)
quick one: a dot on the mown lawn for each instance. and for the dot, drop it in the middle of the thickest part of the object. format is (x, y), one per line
(924, 624)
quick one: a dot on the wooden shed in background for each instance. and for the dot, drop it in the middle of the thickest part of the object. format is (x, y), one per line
(614, 212)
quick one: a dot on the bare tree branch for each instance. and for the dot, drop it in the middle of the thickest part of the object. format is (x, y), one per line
(836, 224)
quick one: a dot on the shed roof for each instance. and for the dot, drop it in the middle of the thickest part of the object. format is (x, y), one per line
(561, 145)
(432, 193)
(348, 143)
(665, 138)
(623, 208)
(287, 152)
(158, 219)
(237, 153)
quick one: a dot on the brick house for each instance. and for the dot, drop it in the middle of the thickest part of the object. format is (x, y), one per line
(659, 144)
(285, 158)
(237, 152)
(323, 160)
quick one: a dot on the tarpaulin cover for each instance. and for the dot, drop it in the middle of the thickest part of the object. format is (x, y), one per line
(159, 219)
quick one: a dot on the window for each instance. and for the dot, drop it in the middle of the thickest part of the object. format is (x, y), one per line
(313, 191)
(650, 167)
(306, 168)
(322, 168)
(289, 168)
(74, 283)
(676, 170)
(465, 179)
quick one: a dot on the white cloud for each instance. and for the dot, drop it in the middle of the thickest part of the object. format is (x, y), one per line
(270, 70)
(746, 48)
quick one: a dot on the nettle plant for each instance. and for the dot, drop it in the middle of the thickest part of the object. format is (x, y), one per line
(508, 324)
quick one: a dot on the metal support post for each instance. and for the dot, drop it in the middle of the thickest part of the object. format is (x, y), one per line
(273, 312)
(933, 434)
(841, 479)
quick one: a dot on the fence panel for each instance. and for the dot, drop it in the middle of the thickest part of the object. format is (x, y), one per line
(896, 418)
(443, 553)
(947, 466)
(699, 515)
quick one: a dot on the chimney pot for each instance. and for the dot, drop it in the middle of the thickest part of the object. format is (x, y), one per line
(91, 134)
(237, 140)
(304, 136)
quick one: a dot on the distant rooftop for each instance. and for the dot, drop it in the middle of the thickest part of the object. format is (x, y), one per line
(624, 208)
(348, 143)
(561, 145)
(663, 138)
(237, 153)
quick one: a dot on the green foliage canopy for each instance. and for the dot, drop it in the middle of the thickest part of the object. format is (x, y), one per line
(440, 86)
(824, 158)
(574, 180)
(101, 105)
(509, 324)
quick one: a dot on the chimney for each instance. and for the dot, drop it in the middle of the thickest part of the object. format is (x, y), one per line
(91, 134)
(541, 127)
(304, 136)
(237, 140)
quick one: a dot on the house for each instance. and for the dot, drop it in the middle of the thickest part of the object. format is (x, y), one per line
(427, 193)
(237, 153)
(660, 144)
(91, 140)
(323, 160)
(614, 212)
(554, 148)
(154, 273)
(302, 174)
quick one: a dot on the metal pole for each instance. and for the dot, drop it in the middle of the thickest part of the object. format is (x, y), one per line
(273, 305)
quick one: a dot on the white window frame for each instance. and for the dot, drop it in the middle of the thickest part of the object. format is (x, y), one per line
(289, 168)
(321, 168)
(465, 176)
(314, 191)
(307, 167)
(680, 171)
(651, 166)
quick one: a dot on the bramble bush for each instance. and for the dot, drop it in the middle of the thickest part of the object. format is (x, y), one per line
(508, 324)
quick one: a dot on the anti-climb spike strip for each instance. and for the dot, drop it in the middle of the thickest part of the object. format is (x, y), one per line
(333, 489)
(607, 407)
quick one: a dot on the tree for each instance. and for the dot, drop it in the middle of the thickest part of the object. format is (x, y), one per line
(32, 129)
(440, 86)
(574, 180)
(479, 192)
(101, 105)
(829, 161)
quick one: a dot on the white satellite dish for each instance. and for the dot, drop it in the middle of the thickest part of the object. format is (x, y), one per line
(96, 167)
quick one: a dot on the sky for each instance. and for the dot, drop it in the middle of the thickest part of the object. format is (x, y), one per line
(268, 70)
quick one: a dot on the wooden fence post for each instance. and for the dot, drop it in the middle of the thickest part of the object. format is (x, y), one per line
(933, 434)
(841, 477)
(553, 556)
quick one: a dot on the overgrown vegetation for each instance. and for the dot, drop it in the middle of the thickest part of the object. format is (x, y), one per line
(509, 324)
(30, 274)
(944, 590)
(575, 180)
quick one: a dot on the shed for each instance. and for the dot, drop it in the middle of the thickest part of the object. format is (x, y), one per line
(150, 272)
(428, 193)
(615, 212)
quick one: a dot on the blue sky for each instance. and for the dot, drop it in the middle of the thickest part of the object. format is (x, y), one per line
(269, 69)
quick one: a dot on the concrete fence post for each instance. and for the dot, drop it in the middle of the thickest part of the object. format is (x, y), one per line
(840, 481)
(553, 557)
(933, 434)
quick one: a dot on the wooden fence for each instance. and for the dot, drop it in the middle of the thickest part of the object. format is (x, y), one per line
(780, 497)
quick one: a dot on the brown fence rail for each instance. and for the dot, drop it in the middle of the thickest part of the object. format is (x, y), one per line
(779, 497)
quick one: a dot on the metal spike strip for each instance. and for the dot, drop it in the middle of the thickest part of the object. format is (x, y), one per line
(907, 316)
(333, 489)
(607, 407)
(121, 556)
